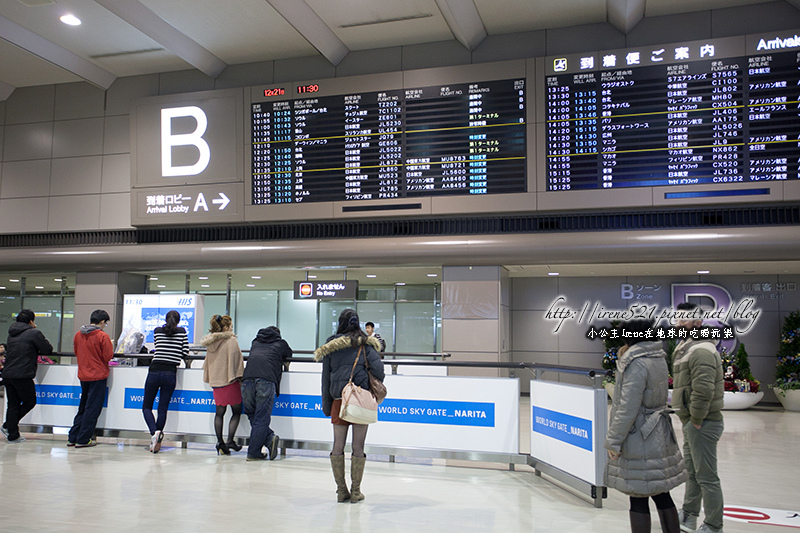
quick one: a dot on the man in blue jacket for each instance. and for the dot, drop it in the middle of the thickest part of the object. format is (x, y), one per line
(261, 384)
(25, 344)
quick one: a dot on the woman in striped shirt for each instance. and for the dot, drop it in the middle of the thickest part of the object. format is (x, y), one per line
(172, 346)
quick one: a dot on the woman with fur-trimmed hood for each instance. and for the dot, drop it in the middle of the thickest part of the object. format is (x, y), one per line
(338, 355)
(223, 370)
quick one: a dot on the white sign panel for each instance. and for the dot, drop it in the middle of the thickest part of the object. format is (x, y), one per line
(568, 429)
(441, 413)
(760, 515)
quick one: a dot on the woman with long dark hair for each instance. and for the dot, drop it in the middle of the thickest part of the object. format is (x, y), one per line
(223, 369)
(172, 346)
(338, 355)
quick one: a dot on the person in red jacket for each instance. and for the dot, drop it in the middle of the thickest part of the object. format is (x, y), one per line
(93, 350)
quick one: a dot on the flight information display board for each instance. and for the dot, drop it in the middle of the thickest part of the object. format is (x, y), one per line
(668, 116)
(430, 141)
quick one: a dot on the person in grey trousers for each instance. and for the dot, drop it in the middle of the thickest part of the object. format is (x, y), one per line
(644, 459)
(698, 398)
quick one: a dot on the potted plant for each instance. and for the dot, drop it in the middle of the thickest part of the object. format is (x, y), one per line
(741, 388)
(787, 382)
(612, 346)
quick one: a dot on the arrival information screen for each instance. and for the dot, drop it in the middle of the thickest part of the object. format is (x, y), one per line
(431, 141)
(677, 115)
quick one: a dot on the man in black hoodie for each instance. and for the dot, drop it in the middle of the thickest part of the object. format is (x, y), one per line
(25, 344)
(261, 384)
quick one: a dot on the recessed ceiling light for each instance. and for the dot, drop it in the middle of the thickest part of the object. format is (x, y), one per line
(255, 277)
(2, 288)
(372, 275)
(162, 286)
(205, 286)
(71, 20)
(39, 287)
(552, 273)
(433, 275)
(202, 277)
(14, 280)
(400, 283)
(312, 277)
(57, 279)
(250, 285)
(153, 279)
(703, 271)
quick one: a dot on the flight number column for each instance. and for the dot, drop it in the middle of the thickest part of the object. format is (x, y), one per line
(272, 152)
(390, 145)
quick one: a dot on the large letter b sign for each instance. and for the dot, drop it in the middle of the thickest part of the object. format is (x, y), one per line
(168, 140)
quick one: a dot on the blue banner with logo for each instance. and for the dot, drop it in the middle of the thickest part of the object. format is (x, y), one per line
(61, 395)
(201, 401)
(566, 428)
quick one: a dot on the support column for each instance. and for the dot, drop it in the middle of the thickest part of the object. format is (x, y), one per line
(104, 290)
(475, 317)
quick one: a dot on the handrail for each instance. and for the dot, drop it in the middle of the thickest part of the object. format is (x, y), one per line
(533, 367)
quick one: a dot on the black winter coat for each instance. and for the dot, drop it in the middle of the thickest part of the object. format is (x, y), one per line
(25, 344)
(337, 356)
(268, 353)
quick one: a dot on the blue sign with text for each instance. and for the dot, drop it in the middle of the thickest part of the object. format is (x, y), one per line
(566, 428)
(476, 414)
(182, 400)
(61, 395)
(299, 405)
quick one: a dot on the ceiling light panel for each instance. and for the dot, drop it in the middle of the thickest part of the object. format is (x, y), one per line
(361, 31)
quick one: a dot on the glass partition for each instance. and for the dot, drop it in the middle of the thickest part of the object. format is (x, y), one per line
(297, 320)
(382, 315)
(416, 323)
(254, 310)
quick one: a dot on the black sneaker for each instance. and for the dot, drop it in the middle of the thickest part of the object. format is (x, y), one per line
(273, 447)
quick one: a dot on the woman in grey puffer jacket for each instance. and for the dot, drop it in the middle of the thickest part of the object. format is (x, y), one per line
(644, 458)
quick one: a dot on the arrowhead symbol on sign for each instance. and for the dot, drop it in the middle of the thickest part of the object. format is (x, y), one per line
(222, 200)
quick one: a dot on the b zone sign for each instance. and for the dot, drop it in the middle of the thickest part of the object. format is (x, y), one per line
(187, 139)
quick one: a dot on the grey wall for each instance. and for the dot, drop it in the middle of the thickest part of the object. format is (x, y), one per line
(65, 149)
(534, 338)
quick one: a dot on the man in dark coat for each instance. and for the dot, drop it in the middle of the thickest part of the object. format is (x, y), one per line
(261, 384)
(25, 344)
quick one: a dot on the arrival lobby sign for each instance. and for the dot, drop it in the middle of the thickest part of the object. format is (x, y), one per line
(187, 159)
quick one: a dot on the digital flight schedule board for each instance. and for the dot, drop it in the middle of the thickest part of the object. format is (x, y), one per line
(716, 112)
(444, 140)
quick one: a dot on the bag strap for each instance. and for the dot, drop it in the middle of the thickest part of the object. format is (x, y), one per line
(358, 355)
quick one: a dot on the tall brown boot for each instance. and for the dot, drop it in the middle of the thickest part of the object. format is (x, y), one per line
(640, 522)
(670, 523)
(356, 473)
(337, 465)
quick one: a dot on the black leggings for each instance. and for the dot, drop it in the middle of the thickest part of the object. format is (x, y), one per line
(641, 505)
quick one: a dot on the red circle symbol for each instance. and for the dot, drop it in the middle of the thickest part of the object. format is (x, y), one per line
(305, 289)
(745, 514)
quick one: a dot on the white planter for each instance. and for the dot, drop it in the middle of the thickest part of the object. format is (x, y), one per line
(736, 401)
(789, 398)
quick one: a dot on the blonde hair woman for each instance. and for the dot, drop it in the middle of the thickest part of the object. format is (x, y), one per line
(223, 369)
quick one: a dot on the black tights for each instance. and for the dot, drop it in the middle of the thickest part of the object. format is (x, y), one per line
(236, 411)
(641, 505)
(340, 439)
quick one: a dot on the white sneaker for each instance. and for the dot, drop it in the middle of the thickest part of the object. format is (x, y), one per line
(705, 528)
(154, 441)
(18, 440)
(688, 522)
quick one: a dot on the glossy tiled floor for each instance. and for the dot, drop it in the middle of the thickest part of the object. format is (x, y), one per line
(45, 486)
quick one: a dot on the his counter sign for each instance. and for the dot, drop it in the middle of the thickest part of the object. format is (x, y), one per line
(325, 290)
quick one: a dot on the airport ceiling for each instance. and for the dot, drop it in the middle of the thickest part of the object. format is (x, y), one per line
(132, 37)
